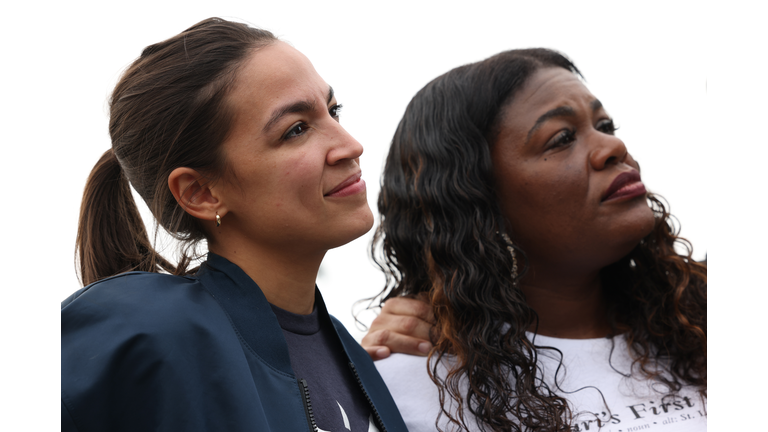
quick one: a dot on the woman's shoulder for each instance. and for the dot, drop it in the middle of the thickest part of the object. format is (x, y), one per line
(415, 394)
(137, 288)
(146, 343)
(406, 372)
(396, 360)
(137, 302)
(129, 284)
(139, 319)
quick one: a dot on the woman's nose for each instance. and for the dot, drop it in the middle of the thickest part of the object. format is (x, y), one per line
(343, 146)
(607, 150)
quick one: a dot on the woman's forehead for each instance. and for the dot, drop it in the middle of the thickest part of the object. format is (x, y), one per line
(548, 86)
(547, 91)
(275, 76)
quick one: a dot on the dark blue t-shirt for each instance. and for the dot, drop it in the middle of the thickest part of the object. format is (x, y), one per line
(317, 356)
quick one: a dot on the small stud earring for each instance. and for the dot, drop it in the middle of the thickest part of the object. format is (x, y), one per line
(218, 220)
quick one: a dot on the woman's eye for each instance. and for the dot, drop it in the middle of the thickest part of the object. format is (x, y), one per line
(563, 138)
(335, 111)
(295, 131)
(607, 127)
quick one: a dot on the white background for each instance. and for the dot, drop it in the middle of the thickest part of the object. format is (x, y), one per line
(684, 81)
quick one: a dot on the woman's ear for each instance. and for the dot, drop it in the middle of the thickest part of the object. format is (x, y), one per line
(193, 193)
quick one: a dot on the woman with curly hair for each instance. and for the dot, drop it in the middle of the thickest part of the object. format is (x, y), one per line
(231, 137)
(557, 299)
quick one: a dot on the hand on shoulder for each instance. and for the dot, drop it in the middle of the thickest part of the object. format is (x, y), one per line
(402, 327)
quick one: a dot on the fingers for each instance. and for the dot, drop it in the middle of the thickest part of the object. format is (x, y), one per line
(380, 343)
(402, 327)
(378, 352)
(408, 307)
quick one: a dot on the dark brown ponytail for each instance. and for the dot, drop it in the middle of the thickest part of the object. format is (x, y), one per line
(168, 110)
(111, 238)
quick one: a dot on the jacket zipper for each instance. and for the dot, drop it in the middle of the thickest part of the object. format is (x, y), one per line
(304, 388)
(376, 415)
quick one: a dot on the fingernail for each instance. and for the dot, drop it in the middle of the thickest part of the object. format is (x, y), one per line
(382, 353)
(425, 347)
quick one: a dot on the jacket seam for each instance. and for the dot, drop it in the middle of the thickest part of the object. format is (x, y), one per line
(65, 405)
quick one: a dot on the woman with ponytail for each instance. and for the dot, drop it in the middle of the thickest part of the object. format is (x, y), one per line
(230, 137)
(524, 254)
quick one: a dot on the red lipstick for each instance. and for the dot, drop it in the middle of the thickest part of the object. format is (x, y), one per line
(625, 185)
(352, 185)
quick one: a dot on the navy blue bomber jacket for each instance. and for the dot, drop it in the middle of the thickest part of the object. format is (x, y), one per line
(147, 351)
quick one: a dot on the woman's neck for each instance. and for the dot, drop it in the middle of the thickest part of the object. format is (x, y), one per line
(569, 307)
(286, 279)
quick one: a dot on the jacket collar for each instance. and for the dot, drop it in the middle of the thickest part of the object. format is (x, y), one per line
(248, 310)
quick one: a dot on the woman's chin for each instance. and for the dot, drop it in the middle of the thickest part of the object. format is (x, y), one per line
(353, 228)
(635, 235)
(637, 224)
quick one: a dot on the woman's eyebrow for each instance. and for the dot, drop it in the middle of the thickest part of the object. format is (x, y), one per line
(293, 107)
(563, 111)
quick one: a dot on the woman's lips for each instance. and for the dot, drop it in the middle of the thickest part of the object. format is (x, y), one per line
(625, 185)
(352, 185)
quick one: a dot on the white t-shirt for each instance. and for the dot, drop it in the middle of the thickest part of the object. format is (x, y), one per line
(589, 373)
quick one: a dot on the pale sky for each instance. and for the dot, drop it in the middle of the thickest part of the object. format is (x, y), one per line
(684, 82)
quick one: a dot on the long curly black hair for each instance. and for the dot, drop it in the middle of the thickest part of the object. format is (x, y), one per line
(439, 236)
